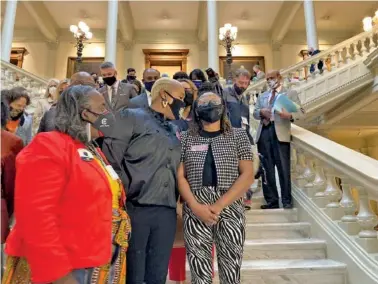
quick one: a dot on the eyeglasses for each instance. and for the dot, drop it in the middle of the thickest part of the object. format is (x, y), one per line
(210, 103)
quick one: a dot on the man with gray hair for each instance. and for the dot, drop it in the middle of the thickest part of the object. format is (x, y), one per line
(116, 93)
(260, 75)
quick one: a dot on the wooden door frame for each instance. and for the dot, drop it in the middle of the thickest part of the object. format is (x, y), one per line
(166, 57)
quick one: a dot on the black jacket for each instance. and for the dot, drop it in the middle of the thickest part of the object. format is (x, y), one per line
(47, 122)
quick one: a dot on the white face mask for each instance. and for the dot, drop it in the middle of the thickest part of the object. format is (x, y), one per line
(52, 91)
(89, 134)
(273, 84)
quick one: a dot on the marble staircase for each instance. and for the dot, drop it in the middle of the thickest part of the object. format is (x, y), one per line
(280, 250)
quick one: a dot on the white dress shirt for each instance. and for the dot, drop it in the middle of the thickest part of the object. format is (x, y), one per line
(110, 90)
(149, 97)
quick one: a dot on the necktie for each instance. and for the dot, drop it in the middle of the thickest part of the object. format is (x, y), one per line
(266, 121)
(113, 93)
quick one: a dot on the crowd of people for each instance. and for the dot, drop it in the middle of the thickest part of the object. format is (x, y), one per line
(121, 181)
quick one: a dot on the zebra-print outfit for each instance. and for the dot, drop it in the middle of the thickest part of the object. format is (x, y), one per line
(229, 233)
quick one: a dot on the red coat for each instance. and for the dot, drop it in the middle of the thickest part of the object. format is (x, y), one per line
(11, 145)
(63, 209)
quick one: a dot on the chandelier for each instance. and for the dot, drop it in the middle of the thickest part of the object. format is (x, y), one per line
(370, 22)
(227, 35)
(81, 33)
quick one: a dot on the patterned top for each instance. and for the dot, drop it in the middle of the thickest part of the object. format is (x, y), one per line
(228, 149)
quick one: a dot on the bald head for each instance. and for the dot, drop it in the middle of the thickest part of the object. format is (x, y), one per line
(150, 74)
(273, 74)
(82, 78)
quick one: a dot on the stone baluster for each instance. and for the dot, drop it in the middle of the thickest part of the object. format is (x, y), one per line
(367, 220)
(293, 163)
(319, 182)
(333, 195)
(301, 167)
(349, 221)
(347, 55)
(308, 173)
(370, 43)
(301, 74)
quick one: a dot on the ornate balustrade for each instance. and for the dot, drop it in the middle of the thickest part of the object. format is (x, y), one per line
(324, 174)
(12, 76)
(343, 67)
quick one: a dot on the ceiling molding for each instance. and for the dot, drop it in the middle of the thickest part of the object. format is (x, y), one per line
(166, 37)
(43, 18)
(325, 37)
(126, 21)
(253, 37)
(202, 21)
(284, 19)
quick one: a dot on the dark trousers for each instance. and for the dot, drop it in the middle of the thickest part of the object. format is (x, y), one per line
(152, 236)
(276, 154)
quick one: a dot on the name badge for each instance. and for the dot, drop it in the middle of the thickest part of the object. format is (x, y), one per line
(197, 148)
(245, 121)
(85, 155)
(112, 172)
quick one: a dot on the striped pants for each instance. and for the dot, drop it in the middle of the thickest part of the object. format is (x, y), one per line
(228, 235)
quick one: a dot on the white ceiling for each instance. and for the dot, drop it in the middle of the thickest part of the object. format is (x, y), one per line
(337, 15)
(156, 15)
(254, 15)
(66, 13)
(183, 15)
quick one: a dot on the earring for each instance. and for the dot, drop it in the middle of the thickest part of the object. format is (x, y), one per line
(165, 103)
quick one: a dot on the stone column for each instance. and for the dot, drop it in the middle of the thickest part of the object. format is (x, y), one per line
(212, 32)
(312, 36)
(111, 32)
(8, 27)
(276, 50)
(128, 56)
(203, 56)
(52, 48)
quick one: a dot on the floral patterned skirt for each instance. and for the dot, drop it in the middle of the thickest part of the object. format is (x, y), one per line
(17, 269)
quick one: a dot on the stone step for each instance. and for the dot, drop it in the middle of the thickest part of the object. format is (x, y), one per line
(257, 201)
(271, 215)
(297, 230)
(284, 249)
(288, 271)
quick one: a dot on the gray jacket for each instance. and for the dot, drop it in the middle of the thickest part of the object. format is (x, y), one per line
(24, 130)
(125, 92)
(282, 126)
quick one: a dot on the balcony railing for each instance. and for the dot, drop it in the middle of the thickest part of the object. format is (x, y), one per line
(12, 76)
(348, 53)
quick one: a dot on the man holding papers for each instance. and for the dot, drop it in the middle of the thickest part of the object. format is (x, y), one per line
(276, 109)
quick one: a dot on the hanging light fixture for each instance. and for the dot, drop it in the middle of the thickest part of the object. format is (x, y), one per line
(227, 35)
(370, 22)
(81, 33)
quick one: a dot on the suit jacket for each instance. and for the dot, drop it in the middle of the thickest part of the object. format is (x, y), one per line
(64, 216)
(140, 101)
(124, 93)
(11, 145)
(282, 126)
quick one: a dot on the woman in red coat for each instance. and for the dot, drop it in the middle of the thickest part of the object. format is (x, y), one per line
(71, 226)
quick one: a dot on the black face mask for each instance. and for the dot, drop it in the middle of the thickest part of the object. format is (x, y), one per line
(210, 113)
(148, 85)
(110, 80)
(130, 77)
(189, 98)
(239, 90)
(176, 106)
(105, 123)
(15, 115)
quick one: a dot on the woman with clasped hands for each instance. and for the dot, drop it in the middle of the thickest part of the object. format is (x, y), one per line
(215, 172)
(71, 225)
